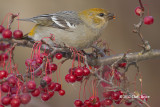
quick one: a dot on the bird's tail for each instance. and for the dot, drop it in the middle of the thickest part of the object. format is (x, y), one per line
(29, 20)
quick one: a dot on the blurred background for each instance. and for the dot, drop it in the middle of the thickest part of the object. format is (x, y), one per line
(118, 35)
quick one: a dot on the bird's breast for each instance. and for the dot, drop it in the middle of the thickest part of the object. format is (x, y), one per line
(80, 38)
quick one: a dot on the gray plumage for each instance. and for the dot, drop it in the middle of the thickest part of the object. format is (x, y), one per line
(62, 20)
(69, 28)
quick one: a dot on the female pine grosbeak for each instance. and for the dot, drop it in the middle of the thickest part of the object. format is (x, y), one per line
(70, 28)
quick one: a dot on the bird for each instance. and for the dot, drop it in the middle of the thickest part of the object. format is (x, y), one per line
(74, 29)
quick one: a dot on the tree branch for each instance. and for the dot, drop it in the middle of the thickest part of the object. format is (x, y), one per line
(20, 42)
(107, 60)
(130, 57)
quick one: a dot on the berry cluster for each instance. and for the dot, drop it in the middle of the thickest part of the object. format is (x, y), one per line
(111, 96)
(4, 47)
(4, 56)
(7, 33)
(17, 92)
(93, 101)
(11, 89)
(77, 74)
(36, 61)
(148, 20)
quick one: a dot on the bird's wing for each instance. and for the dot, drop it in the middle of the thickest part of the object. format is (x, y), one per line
(66, 20)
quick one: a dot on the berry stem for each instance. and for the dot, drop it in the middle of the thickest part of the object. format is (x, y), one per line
(93, 88)
(57, 75)
(18, 88)
(141, 82)
(80, 91)
(74, 56)
(18, 22)
(8, 21)
(60, 64)
(84, 90)
(135, 82)
(89, 90)
(147, 9)
(141, 5)
(5, 18)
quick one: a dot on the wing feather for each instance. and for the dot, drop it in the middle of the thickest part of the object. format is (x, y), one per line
(66, 20)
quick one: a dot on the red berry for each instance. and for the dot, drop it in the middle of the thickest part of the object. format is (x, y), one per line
(15, 102)
(138, 10)
(14, 90)
(57, 87)
(5, 87)
(58, 55)
(33, 64)
(71, 71)
(94, 99)
(12, 81)
(53, 67)
(128, 103)
(79, 78)
(107, 94)
(43, 89)
(79, 72)
(72, 78)
(2, 46)
(115, 95)
(25, 98)
(78, 103)
(67, 77)
(15, 96)
(87, 102)
(3, 57)
(108, 102)
(51, 93)
(86, 71)
(97, 104)
(3, 74)
(7, 45)
(28, 62)
(7, 34)
(36, 92)
(61, 92)
(122, 65)
(31, 85)
(17, 34)
(148, 20)
(51, 86)
(1, 105)
(45, 96)
(47, 79)
(39, 61)
(1, 28)
(38, 73)
(118, 101)
(6, 100)
(25, 89)
(143, 97)
(42, 55)
(120, 92)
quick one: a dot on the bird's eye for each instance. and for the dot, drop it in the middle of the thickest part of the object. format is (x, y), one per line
(101, 14)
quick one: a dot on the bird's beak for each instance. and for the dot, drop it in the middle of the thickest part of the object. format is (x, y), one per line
(110, 16)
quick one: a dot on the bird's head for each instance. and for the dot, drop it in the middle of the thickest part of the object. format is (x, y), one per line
(96, 18)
